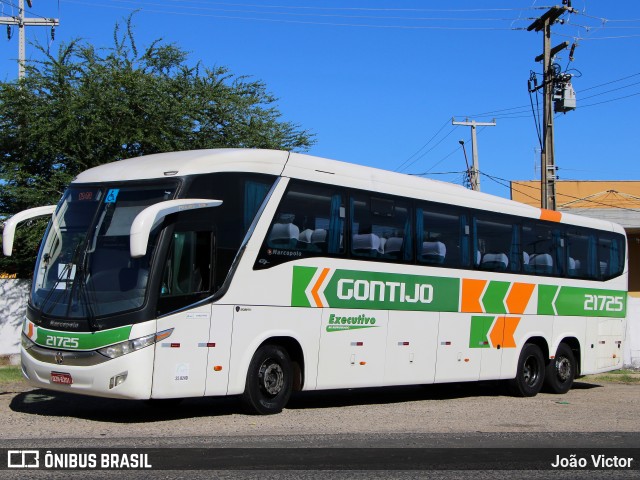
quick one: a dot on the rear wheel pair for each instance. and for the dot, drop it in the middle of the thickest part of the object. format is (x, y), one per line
(533, 373)
(561, 370)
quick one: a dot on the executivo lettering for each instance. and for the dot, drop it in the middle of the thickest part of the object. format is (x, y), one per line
(337, 323)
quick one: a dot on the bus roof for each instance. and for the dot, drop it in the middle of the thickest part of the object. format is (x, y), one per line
(307, 167)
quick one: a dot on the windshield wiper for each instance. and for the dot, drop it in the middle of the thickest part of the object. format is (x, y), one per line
(66, 272)
(83, 293)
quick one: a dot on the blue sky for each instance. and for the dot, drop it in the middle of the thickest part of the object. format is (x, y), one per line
(379, 81)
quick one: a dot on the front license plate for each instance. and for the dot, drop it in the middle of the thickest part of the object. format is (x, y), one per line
(62, 378)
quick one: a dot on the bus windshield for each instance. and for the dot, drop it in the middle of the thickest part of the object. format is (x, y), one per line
(84, 268)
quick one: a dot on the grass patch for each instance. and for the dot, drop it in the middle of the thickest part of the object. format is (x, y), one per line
(623, 371)
(623, 375)
(10, 374)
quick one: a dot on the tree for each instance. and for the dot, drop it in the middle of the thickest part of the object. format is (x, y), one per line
(85, 107)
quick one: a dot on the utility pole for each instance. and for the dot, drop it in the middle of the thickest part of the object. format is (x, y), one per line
(467, 181)
(475, 172)
(21, 21)
(547, 159)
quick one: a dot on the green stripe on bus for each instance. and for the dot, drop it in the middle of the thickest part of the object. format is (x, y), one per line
(82, 340)
(394, 291)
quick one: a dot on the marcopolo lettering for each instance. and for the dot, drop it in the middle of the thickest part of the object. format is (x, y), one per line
(376, 290)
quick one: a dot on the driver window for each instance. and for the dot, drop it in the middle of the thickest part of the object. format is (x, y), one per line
(186, 277)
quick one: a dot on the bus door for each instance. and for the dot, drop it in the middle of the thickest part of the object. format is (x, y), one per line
(180, 368)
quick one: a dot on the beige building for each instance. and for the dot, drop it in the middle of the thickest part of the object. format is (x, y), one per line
(617, 201)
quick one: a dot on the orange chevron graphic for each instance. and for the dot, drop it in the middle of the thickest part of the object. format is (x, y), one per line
(471, 293)
(519, 297)
(316, 287)
(503, 331)
(510, 325)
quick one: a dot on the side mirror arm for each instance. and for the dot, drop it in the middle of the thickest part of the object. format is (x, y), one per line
(9, 232)
(153, 215)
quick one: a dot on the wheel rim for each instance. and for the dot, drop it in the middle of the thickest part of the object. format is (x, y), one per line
(271, 377)
(531, 371)
(563, 369)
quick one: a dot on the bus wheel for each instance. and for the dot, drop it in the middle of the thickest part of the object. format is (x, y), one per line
(530, 374)
(269, 381)
(561, 371)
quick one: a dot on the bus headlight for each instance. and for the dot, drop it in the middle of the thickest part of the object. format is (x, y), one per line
(26, 342)
(128, 346)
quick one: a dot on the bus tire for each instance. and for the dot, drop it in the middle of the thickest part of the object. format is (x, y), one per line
(530, 374)
(269, 381)
(561, 370)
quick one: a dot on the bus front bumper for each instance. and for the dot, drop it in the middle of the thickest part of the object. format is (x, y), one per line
(89, 373)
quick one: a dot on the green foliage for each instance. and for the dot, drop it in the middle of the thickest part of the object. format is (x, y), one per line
(10, 374)
(84, 107)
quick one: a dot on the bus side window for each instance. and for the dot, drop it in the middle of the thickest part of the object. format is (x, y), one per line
(610, 258)
(578, 254)
(381, 228)
(543, 249)
(442, 237)
(310, 220)
(495, 239)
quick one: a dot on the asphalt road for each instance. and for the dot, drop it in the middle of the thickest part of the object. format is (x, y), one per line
(371, 425)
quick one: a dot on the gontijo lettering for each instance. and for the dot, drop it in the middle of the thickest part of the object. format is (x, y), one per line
(363, 290)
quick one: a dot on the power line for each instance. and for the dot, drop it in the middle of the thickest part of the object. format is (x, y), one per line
(402, 165)
(609, 91)
(27, 10)
(609, 205)
(370, 9)
(435, 173)
(428, 151)
(510, 187)
(452, 152)
(515, 112)
(334, 15)
(201, 12)
(582, 39)
(624, 20)
(492, 112)
(610, 82)
(609, 101)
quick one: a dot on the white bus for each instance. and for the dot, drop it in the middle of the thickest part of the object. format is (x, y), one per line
(258, 273)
